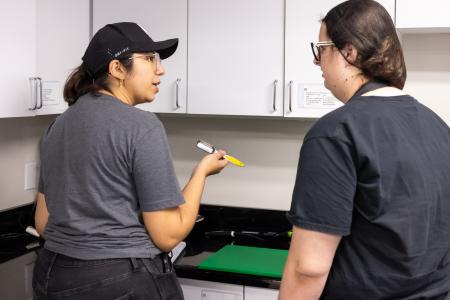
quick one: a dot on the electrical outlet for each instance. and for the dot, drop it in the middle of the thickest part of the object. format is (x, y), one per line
(31, 175)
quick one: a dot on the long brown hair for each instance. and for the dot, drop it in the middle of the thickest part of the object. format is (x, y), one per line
(80, 82)
(367, 26)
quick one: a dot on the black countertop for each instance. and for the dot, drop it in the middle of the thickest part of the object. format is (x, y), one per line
(14, 241)
(214, 232)
(209, 235)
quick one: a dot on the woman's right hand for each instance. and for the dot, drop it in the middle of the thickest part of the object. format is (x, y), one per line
(167, 227)
(212, 163)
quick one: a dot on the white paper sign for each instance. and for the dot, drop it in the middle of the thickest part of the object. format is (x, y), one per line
(51, 93)
(316, 97)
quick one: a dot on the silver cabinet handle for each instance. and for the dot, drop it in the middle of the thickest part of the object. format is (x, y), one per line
(177, 100)
(39, 93)
(275, 84)
(290, 95)
(33, 93)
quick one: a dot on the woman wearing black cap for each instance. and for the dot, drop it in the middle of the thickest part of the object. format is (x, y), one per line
(109, 204)
(371, 203)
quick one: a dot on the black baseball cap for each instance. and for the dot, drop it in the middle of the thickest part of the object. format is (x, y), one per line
(120, 40)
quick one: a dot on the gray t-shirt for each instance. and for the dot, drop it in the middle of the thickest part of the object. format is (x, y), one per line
(102, 164)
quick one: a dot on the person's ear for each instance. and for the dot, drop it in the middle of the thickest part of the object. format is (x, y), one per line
(116, 70)
(350, 53)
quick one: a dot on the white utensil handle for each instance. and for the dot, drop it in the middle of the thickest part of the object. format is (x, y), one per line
(205, 146)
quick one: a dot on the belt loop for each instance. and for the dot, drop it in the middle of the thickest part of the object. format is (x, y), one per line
(134, 263)
(147, 265)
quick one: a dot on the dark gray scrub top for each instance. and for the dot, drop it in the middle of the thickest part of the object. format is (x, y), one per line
(377, 172)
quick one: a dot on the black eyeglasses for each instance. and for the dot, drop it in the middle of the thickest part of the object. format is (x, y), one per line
(316, 48)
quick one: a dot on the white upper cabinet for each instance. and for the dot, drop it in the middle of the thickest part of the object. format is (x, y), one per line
(62, 38)
(162, 20)
(18, 33)
(236, 57)
(305, 94)
(42, 42)
(431, 16)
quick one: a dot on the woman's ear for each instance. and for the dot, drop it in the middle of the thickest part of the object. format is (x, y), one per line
(350, 53)
(116, 70)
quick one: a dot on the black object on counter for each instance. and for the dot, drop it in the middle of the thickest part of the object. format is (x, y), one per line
(14, 241)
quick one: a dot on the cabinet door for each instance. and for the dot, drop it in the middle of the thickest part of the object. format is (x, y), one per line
(236, 57)
(18, 33)
(207, 290)
(62, 38)
(305, 94)
(162, 20)
(254, 293)
(423, 17)
(16, 277)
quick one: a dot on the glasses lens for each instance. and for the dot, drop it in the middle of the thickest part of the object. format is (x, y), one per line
(156, 60)
(315, 51)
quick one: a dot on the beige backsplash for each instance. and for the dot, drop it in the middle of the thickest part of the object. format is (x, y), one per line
(269, 148)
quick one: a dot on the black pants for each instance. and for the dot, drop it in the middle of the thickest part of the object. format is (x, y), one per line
(61, 277)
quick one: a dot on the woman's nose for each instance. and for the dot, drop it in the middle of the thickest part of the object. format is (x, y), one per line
(316, 62)
(160, 70)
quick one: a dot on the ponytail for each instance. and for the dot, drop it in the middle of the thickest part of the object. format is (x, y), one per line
(80, 82)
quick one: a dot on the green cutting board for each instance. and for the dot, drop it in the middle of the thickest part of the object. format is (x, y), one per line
(247, 260)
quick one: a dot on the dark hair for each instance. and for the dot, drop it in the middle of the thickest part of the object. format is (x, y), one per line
(367, 26)
(80, 82)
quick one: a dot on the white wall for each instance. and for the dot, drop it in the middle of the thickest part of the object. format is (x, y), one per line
(428, 63)
(19, 140)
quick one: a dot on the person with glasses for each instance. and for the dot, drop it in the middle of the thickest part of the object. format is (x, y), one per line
(371, 203)
(109, 204)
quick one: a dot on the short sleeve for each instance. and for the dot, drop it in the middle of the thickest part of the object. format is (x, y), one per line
(153, 172)
(325, 187)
